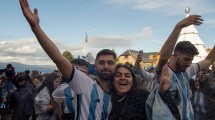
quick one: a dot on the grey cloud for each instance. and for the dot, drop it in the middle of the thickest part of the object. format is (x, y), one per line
(21, 47)
(109, 41)
(114, 41)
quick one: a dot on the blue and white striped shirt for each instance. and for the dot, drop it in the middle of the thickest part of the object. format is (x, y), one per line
(65, 94)
(93, 103)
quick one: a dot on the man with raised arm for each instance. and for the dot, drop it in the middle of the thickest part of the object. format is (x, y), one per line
(93, 96)
(167, 48)
(180, 71)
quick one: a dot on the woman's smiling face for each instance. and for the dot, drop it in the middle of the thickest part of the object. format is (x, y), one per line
(123, 80)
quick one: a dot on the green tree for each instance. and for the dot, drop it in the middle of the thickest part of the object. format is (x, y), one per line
(117, 57)
(68, 55)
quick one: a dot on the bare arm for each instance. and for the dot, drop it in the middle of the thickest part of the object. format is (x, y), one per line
(49, 47)
(169, 45)
(204, 64)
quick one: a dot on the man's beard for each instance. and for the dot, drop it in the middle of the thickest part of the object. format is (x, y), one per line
(105, 76)
(179, 67)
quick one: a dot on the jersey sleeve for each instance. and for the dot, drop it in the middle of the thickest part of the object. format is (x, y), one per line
(192, 70)
(80, 82)
(58, 94)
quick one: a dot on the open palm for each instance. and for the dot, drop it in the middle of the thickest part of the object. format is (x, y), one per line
(192, 19)
(32, 18)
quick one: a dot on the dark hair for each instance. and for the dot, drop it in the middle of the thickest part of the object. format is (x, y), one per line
(9, 66)
(106, 52)
(48, 82)
(27, 71)
(186, 47)
(80, 62)
(22, 77)
(134, 86)
(34, 72)
(126, 67)
(38, 76)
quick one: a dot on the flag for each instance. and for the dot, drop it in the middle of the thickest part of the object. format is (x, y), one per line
(86, 38)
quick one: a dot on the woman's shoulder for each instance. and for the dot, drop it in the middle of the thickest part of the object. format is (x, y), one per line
(43, 93)
(140, 94)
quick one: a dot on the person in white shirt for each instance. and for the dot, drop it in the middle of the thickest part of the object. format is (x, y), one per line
(93, 96)
(66, 96)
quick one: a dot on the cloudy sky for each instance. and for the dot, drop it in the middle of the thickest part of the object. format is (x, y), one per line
(113, 24)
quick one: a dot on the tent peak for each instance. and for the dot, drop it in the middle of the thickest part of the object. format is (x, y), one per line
(187, 10)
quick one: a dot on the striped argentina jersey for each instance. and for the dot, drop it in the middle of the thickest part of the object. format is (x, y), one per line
(93, 103)
(65, 94)
(180, 90)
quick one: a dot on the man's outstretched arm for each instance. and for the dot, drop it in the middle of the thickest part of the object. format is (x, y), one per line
(49, 47)
(167, 48)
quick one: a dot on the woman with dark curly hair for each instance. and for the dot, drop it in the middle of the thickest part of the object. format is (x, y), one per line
(128, 102)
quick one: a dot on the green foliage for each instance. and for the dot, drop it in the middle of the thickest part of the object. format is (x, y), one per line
(117, 57)
(68, 55)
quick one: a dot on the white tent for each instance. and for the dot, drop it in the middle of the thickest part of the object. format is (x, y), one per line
(191, 34)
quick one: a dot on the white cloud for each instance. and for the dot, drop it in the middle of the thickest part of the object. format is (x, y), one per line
(28, 51)
(172, 7)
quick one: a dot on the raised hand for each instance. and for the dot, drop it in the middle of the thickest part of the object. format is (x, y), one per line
(192, 19)
(165, 79)
(32, 18)
(138, 60)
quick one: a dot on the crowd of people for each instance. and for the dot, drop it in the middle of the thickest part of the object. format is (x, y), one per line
(176, 89)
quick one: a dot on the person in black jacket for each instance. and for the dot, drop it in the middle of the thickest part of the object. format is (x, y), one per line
(9, 71)
(24, 99)
(128, 102)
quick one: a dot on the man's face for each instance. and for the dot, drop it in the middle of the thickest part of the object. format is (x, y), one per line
(105, 66)
(183, 61)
